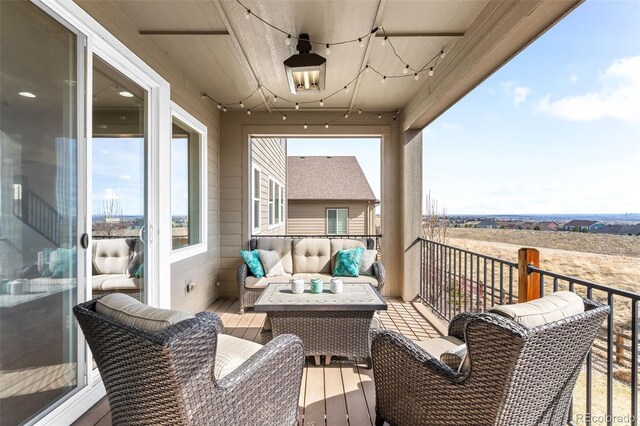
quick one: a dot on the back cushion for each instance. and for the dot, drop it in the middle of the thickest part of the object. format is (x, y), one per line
(111, 256)
(554, 307)
(282, 246)
(312, 255)
(127, 310)
(338, 244)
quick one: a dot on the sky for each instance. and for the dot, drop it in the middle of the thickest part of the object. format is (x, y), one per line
(555, 130)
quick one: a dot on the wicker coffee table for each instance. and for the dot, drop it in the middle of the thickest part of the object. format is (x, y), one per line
(328, 324)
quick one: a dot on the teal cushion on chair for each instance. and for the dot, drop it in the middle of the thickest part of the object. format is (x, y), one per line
(252, 259)
(348, 262)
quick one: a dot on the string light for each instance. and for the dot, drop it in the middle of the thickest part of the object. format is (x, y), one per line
(241, 104)
(366, 68)
(287, 40)
(224, 109)
(248, 112)
(431, 72)
(359, 111)
(416, 76)
(248, 14)
(384, 77)
(275, 98)
(284, 117)
(297, 106)
(361, 42)
(346, 89)
(219, 105)
(326, 125)
(305, 126)
(346, 115)
(379, 115)
(203, 95)
(442, 54)
(383, 41)
(321, 102)
(405, 69)
(327, 50)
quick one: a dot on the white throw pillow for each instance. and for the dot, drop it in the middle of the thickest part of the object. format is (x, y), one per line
(271, 263)
(457, 358)
(367, 260)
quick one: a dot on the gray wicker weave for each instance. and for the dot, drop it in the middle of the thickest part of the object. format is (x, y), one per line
(166, 378)
(248, 296)
(518, 376)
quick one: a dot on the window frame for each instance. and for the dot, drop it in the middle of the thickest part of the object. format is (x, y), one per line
(184, 118)
(256, 169)
(277, 189)
(336, 209)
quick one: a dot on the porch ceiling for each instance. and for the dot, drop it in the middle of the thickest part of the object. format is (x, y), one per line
(237, 54)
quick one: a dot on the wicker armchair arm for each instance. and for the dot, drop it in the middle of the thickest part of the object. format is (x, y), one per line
(242, 273)
(458, 324)
(213, 319)
(378, 271)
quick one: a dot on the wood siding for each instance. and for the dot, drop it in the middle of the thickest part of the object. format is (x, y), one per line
(310, 218)
(270, 155)
(202, 269)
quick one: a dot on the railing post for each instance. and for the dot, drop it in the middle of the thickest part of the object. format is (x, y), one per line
(529, 284)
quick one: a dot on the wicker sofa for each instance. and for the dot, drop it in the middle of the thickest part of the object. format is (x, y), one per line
(163, 367)
(516, 375)
(304, 258)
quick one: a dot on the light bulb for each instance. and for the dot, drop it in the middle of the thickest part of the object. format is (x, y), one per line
(383, 41)
(405, 70)
(431, 72)
(224, 109)
(275, 98)
(287, 40)
(248, 112)
(321, 102)
(328, 50)
(346, 115)
(297, 106)
(326, 126)
(367, 68)
(203, 95)
(383, 79)
(241, 104)
(442, 54)
(248, 15)
(379, 115)
(284, 117)
(359, 111)
(305, 126)
(416, 76)
(346, 89)
(219, 106)
(361, 42)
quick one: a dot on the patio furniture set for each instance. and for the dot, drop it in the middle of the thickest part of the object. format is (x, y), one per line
(516, 364)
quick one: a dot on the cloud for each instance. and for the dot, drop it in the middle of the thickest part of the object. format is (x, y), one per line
(573, 78)
(617, 97)
(518, 94)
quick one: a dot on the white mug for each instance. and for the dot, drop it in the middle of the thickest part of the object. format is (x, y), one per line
(297, 286)
(337, 285)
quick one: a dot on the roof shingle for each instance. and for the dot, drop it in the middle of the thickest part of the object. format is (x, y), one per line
(327, 178)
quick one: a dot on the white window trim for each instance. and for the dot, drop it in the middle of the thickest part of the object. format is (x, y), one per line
(327, 219)
(255, 168)
(194, 124)
(273, 206)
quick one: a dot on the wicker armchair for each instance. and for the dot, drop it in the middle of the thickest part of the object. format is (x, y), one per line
(166, 378)
(518, 376)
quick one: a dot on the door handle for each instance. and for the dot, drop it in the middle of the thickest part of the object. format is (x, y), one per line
(84, 240)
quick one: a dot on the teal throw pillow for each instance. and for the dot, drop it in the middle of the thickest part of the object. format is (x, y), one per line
(252, 259)
(139, 273)
(348, 262)
(66, 263)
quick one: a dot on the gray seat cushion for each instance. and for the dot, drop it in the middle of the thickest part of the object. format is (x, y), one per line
(115, 282)
(554, 307)
(127, 310)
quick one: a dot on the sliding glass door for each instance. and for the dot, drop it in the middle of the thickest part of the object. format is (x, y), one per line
(41, 265)
(119, 183)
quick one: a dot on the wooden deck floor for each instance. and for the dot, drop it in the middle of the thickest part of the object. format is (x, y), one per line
(339, 394)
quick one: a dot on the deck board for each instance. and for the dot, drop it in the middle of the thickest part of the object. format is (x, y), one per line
(338, 394)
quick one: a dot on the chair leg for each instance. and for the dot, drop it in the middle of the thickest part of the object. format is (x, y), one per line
(327, 359)
(379, 421)
(241, 311)
(317, 360)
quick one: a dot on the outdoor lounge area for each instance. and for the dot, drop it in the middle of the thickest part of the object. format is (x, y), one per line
(159, 266)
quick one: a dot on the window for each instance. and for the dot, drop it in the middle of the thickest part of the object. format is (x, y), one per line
(188, 185)
(337, 221)
(256, 181)
(276, 203)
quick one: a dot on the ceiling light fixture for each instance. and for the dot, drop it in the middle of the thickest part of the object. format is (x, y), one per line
(306, 71)
(27, 94)
(126, 94)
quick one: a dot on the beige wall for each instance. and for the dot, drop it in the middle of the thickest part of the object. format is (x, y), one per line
(202, 269)
(310, 217)
(235, 131)
(270, 155)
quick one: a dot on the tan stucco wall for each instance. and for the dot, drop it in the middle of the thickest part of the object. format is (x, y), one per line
(235, 131)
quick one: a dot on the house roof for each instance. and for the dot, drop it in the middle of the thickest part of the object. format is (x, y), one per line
(327, 178)
(581, 223)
